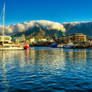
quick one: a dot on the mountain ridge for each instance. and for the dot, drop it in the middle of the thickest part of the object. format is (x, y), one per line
(79, 27)
(47, 29)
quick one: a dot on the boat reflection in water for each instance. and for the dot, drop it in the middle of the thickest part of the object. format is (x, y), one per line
(46, 69)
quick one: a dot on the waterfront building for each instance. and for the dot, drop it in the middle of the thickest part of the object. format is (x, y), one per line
(51, 40)
(42, 40)
(6, 39)
(32, 40)
(64, 39)
(18, 39)
(78, 37)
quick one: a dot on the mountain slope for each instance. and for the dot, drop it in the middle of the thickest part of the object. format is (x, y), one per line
(41, 29)
(81, 27)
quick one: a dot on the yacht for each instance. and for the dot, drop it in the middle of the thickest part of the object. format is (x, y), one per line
(8, 46)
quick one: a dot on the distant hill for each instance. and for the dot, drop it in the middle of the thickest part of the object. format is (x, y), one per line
(79, 27)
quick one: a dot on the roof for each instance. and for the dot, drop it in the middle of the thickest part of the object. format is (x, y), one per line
(78, 34)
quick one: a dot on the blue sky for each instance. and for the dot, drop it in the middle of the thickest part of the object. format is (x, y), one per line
(55, 10)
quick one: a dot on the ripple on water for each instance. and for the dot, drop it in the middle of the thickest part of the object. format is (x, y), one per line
(49, 70)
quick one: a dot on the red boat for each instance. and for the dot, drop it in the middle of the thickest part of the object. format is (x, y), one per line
(26, 46)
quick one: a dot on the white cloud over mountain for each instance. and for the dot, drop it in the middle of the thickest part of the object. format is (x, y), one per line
(21, 27)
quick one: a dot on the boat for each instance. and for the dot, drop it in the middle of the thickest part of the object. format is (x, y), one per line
(11, 45)
(26, 46)
(54, 45)
(69, 45)
(60, 45)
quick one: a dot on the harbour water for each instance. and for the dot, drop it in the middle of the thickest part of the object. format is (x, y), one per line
(46, 70)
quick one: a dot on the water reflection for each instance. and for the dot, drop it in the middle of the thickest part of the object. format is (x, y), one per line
(19, 69)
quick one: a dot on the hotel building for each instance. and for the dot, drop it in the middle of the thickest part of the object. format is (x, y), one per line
(78, 37)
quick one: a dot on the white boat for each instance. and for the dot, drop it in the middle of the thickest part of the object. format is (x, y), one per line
(60, 46)
(7, 46)
(69, 45)
(11, 47)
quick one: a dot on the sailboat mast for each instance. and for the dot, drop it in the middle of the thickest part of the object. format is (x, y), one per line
(3, 22)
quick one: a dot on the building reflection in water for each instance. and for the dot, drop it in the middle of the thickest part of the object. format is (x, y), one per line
(77, 54)
(76, 59)
(4, 72)
(43, 57)
(54, 58)
(14, 63)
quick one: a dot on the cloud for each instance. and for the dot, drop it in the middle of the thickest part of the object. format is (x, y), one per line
(21, 27)
(51, 25)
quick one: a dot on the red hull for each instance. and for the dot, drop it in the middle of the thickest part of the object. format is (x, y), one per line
(26, 47)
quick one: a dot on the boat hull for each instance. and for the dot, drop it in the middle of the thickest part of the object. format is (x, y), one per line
(11, 48)
(26, 47)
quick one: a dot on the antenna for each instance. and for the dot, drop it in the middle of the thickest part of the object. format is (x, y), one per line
(3, 22)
